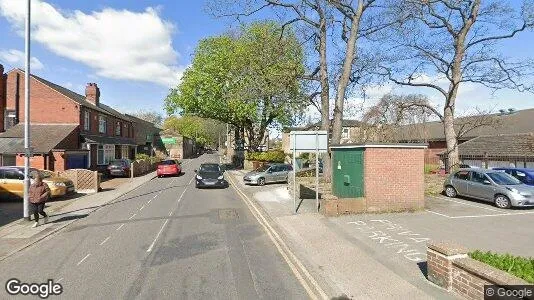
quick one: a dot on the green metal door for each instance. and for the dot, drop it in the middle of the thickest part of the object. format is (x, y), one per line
(347, 167)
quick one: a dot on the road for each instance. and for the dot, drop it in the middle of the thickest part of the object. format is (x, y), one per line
(164, 240)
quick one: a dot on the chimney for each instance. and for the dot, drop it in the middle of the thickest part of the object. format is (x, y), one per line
(92, 93)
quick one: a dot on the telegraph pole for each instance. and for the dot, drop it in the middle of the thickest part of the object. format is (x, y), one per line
(27, 149)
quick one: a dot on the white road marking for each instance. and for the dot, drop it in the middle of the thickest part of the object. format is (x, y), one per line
(81, 261)
(468, 204)
(149, 201)
(132, 216)
(156, 238)
(436, 213)
(191, 180)
(119, 228)
(494, 215)
(155, 196)
(142, 207)
(170, 213)
(59, 280)
(104, 241)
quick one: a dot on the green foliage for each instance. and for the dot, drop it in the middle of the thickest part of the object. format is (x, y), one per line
(249, 79)
(141, 156)
(431, 167)
(305, 155)
(268, 156)
(204, 131)
(518, 266)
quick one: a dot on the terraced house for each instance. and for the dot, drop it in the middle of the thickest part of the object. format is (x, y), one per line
(68, 130)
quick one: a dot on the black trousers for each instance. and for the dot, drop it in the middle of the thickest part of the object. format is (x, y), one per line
(38, 209)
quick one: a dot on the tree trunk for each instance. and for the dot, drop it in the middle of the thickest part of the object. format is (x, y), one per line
(350, 54)
(325, 93)
(450, 138)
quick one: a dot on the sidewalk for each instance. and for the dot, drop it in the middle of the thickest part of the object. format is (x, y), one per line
(338, 260)
(19, 234)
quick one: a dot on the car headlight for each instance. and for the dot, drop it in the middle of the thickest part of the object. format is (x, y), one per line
(199, 177)
(220, 177)
(513, 190)
(59, 184)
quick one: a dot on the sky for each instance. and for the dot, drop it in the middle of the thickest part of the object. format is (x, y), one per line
(136, 50)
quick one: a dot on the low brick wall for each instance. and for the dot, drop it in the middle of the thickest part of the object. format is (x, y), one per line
(449, 267)
(140, 167)
(85, 181)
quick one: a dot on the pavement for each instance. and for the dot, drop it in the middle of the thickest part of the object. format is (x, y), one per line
(343, 263)
(163, 240)
(19, 234)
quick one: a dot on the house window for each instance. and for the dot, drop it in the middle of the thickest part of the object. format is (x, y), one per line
(86, 121)
(125, 151)
(106, 153)
(345, 133)
(127, 130)
(10, 119)
(102, 124)
(118, 129)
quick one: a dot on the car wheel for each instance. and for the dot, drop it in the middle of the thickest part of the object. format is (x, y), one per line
(450, 191)
(261, 181)
(501, 201)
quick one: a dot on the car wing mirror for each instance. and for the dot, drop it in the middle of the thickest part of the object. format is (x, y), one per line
(487, 182)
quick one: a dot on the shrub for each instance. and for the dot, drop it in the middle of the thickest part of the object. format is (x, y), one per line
(141, 156)
(268, 156)
(431, 167)
(518, 266)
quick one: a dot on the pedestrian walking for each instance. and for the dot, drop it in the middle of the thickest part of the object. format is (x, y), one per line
(38, 195)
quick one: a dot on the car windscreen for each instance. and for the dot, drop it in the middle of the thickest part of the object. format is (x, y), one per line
(263, 168)
(167, 162)
(209, 168)
(117, 163)
(502, 178)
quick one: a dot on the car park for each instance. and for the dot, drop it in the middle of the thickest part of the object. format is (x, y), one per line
(169, 167)
(210, 175)
(489, 185)
(526, 176)
(12, 183)
(269, 173)
(119, 167)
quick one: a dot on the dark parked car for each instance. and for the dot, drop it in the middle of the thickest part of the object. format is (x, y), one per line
(210, 175)
(526, 176)
(119, 167)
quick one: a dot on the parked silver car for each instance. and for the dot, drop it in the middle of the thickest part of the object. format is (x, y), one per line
(489, 185)
(268, 173)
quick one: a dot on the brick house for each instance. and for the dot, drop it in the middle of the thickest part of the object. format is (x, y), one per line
(68, 130)
(352, 132)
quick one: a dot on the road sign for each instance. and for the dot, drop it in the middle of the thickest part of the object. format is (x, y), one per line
(169, 141)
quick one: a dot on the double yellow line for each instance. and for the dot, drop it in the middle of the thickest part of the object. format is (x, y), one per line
(299, 270)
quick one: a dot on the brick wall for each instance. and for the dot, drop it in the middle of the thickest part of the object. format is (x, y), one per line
(394, 179)
(38, 162)
(59, 161)
(449, 267)
(44, 100)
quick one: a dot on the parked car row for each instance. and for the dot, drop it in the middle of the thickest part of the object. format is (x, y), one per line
(269, 173)
(505, 187)
(12, 183)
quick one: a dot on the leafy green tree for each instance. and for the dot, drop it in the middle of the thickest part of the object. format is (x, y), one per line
(249, 79)
(205, 132)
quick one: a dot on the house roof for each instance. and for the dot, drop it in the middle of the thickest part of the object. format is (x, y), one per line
(519, 121)
(117, 140)
(44, 137)
(512, 145)
(80, 99)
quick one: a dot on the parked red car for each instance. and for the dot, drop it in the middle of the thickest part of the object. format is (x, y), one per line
(169, 167)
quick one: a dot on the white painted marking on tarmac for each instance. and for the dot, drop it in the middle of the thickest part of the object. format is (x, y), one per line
(494, 215)
(155, 196)
(468, 204)
(81, 261)
(191, 180)
(142, 207)
(132, 216)
(439, 214)
(170, 213)
(149, 202)
(156, 238)
(104, 241)
(119, 228)
(59, 280)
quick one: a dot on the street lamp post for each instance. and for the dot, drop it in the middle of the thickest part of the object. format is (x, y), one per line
(27, 150)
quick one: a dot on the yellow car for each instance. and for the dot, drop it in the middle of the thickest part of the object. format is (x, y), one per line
(12, 183)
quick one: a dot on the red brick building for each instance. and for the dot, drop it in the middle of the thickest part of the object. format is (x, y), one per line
(68, 130)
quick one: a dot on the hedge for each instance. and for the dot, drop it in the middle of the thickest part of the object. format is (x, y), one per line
(268, 156)
(518, 266)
